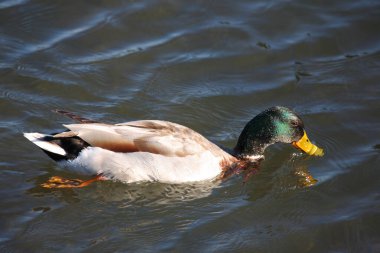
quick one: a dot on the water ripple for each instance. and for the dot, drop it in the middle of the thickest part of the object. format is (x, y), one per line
(210, 65)
(11, 3)
(60, 36)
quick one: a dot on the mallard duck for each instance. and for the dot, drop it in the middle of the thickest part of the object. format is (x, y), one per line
(155, 150)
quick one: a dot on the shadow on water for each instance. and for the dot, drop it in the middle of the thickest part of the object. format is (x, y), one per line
(145, 193)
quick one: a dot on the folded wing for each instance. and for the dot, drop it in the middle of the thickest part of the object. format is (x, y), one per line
(154, 136)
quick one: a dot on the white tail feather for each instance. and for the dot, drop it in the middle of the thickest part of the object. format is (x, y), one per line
(37, 139)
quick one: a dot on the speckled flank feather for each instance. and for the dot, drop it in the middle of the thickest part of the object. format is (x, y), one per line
(145, 166)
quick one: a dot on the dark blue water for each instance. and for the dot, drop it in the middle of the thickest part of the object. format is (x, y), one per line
(211, 66)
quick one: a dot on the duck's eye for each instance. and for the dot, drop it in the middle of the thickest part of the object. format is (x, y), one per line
(294, 123)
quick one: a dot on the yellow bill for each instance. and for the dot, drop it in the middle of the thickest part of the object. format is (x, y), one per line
(306, 146)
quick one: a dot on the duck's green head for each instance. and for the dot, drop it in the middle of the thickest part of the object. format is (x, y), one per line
(276, 124)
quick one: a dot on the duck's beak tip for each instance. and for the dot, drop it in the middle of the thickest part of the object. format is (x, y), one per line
(309, 148)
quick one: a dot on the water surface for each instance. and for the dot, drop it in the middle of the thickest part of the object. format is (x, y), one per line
(211, 65)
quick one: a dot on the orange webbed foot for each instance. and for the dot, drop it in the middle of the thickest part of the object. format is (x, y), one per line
(59, 182)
